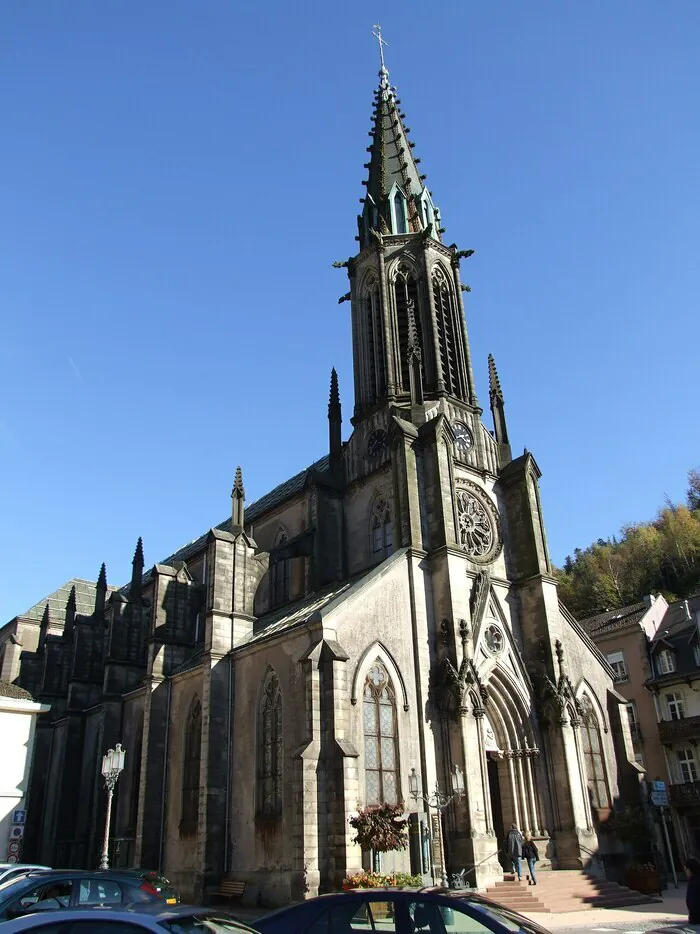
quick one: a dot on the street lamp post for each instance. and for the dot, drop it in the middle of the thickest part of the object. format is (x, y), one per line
(438, 800)
(112, 766)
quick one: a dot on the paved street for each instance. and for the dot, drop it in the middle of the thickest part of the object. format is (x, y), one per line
(633, 920)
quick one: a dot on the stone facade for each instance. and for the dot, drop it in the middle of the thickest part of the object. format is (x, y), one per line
(390, 608)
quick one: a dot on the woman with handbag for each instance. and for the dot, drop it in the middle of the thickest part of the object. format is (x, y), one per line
(531, 855)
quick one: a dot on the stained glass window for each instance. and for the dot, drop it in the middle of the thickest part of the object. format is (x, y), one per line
(382, 529)
(593, 757)
(380, 732)
(271, 747)
(190, 773)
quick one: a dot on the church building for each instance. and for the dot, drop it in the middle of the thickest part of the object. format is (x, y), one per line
(382, 624)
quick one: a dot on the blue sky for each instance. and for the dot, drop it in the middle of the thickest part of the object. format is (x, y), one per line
(179, 177)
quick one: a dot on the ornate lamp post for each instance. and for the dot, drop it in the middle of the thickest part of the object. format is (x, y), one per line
(438, 800)
(112, 766)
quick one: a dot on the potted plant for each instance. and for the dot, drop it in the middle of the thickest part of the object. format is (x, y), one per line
(380, 828)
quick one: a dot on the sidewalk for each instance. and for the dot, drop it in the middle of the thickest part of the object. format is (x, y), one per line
(672, 909)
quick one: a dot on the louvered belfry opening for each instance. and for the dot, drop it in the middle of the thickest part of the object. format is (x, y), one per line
(374, 360)
(447, 336)
(405, 290)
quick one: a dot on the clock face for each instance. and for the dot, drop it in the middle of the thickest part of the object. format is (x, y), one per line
(463, 437)
(376, 442)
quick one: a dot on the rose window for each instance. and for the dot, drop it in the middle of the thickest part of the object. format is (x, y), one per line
(476, 533)
(494, 639)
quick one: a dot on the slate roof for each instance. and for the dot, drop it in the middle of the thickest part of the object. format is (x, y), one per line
(7, 689)
(280, 494)
(85, 597)
(677, 622)
(613, 620)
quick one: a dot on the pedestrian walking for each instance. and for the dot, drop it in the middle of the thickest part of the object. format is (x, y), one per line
(692, 895)
(530, 854)
(514, 848)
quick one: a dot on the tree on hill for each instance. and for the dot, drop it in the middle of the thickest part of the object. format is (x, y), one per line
(662, 555)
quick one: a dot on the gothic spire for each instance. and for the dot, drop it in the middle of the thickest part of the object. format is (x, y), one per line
(335, 418)
(101, 591)
(71, 607)
(397, 201)
(136, 571)
(237, 503)
(498, 410)
(44, 629)
(495, 391)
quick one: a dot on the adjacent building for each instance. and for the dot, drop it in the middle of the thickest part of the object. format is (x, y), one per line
(391, 608)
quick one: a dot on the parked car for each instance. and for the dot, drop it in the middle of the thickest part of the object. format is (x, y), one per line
(73, 888)
(163, 886)
(426, 911)
(180, 919)
(10, 870)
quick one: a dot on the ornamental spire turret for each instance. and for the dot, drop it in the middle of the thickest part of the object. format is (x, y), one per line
(498, 410)
(71, 609)
(136, 572)
(101, 591)
(335, 419)
(44, 629)
(237, 503)
(397, 201)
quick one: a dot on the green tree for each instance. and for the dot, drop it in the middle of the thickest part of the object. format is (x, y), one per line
(380, 828)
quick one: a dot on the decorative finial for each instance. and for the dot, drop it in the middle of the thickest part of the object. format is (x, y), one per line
(238, 483)
(495, 391)
(102, 578)
(377, 33)
(334, 395)
(138, 554)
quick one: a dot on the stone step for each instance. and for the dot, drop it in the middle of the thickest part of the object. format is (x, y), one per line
(565, 890)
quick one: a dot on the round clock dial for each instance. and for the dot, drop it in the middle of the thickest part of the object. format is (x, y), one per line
(376, 442)
(463, 437)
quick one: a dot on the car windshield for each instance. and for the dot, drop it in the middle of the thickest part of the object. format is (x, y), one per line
(13, 882)
(507, 918)
(217, 924)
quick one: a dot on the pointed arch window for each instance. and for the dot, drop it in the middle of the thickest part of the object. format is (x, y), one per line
(279, 573)
(190, 770)
(270, 747)
(400, 219)
(593, 758)
(382, 530)
(445, 313)
(374, 382)
(405, 290)
(381, 737)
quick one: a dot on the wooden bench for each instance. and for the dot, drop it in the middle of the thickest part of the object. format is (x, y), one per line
(229, 888)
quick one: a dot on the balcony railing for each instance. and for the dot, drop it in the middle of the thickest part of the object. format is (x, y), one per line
(684, 795)
(685, 728)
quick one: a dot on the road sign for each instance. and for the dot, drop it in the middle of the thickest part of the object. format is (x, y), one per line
(19, 816)
(659, 799)
(16, 831)
(13, 847)
(11, 858)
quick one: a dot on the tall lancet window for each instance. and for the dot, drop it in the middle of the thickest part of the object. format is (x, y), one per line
(279, 573)
(405, 289)
(400, 213)
(270, 747)
(374, 356)
(382, 530)
(445, 312)
(381, 740)
(190, 768)
(593, 756)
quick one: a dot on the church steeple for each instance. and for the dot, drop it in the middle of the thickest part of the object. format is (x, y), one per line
(237, 503)
(397, 201)
(404, 264)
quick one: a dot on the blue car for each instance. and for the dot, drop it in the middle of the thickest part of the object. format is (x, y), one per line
(391, 911)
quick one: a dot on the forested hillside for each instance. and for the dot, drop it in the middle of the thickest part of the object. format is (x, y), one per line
(660, 556)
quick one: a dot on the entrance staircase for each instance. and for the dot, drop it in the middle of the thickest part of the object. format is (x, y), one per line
(564, 890)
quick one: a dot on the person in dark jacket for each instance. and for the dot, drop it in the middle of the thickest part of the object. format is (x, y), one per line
(531, 855)
(692, 895)
(514, 848)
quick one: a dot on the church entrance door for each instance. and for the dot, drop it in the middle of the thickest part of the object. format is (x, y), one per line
(496, 805)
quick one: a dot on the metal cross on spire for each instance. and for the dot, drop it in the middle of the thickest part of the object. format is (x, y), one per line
(377, 33)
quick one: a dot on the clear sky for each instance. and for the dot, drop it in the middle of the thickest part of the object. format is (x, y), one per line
(178, 177)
